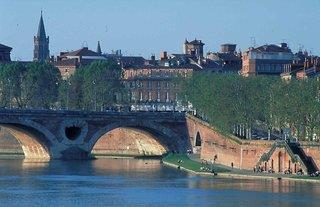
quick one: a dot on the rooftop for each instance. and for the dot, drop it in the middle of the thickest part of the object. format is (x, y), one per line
(81, 52)
(5, 47)
(272, 48)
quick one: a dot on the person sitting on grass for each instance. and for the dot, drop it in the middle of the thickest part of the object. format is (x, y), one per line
(300, 172)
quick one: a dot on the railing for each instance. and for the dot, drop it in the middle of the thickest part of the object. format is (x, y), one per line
(294, 157)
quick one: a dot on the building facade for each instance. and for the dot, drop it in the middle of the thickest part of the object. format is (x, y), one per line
(68, 62)
(267, 60)
(227, 60)
(41, 43)
(154, 84)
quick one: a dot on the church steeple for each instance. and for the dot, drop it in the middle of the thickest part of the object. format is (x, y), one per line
(41, 43)
(41, 30)
(99, 48)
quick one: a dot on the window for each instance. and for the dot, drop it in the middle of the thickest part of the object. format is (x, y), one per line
(167, 85)
(158, 84)
(158, 96)
(141, 96)
(167, 96)
(133, 96)
(132, 84)
(149, 95)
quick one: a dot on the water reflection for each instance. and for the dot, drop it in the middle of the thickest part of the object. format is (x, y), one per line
(129, 182)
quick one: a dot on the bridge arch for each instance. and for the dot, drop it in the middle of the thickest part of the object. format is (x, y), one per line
(164, 135)
(129, 141)
(33, 138)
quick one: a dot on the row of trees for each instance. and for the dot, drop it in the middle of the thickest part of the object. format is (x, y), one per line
(230, 101)
(40, 86)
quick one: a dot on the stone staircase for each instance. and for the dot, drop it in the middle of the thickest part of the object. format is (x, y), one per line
(306, 160)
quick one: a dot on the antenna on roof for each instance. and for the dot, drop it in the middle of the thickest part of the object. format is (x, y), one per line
(300, 47)
(253, 41)
(84, 44)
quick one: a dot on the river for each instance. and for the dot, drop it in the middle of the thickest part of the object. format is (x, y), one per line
(132, 182)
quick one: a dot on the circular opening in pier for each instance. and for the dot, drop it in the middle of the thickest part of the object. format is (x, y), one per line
(73, 132)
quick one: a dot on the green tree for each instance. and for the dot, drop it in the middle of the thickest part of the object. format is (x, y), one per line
(11, 76)
(40, 85)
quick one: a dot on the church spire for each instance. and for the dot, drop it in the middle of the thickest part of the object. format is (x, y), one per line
(41, 43)
(41, 30)
(99, 48)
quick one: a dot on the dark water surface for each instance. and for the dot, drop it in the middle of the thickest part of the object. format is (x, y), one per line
(129, 182)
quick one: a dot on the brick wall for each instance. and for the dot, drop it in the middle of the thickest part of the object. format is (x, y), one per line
(312, 151)
(242, 153)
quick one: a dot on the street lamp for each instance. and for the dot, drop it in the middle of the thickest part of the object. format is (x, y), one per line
(69, 84)
(95, 95)
(9, 93)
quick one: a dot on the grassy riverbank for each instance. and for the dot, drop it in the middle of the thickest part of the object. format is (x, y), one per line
(183, 161)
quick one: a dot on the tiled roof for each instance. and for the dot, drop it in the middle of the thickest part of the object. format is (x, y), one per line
(271, 48)
(187, 66)
(81, 52)
(196, 42)
(66, 62)
(5, 47)
(130, 61)
(227, 56)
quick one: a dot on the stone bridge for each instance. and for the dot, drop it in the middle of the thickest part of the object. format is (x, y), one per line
(72, 134)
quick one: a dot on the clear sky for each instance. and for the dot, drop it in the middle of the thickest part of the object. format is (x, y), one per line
(142, 27)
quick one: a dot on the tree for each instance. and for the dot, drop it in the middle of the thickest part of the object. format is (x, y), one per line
(11, 76)
(40, 85)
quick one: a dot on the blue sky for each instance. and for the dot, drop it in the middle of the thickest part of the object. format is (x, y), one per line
(142, 27)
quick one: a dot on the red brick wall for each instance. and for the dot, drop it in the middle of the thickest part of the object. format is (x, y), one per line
(243, 154)
(312, 151)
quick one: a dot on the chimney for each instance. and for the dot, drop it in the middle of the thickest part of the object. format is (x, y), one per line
(163, 55)
(284, 45)
(153, 57)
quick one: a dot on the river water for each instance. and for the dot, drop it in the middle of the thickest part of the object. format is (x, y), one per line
(131, 182)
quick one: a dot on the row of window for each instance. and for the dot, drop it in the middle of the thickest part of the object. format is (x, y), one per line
(270, 68)
(151, 84)
(148, 96)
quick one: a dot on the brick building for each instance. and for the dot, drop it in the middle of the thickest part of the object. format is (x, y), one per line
(267, 60)
(154, 84)
(194, 48)
(68, 62)
(227, 60)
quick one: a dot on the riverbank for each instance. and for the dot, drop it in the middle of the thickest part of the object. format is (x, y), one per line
(123, 156)
(183, 162)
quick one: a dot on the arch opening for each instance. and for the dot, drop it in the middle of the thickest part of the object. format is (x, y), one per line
(25, 141)
(72, 132)
(198, 140)
(131, 141)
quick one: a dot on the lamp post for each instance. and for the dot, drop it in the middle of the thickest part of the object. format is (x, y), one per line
(69, 84)
(95, 94)
(9, 81)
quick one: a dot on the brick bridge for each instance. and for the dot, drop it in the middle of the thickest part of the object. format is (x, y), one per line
(72, 134)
